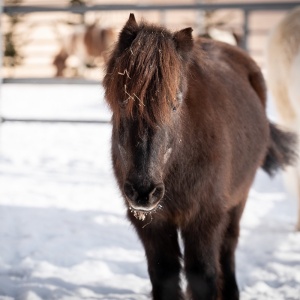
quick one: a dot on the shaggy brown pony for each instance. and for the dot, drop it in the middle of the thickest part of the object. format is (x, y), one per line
(189, 132)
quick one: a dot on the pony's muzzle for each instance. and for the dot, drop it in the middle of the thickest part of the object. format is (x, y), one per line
(143, 197)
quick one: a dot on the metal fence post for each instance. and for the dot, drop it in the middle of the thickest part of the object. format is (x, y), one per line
(200, 19)
(163, 17)
(1, 57)
(245, 30)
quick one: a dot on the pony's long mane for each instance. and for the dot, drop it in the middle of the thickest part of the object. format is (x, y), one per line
(142, 80)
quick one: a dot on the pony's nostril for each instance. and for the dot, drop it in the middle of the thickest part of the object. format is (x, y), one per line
(130, 191)
(157, 193)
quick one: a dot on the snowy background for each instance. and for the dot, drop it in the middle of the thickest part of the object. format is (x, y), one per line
(63, 231)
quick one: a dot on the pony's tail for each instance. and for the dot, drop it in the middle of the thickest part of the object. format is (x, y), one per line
(282, 150)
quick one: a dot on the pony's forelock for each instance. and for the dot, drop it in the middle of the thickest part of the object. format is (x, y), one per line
(143, 80)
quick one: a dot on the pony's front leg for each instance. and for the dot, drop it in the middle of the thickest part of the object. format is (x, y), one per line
(227, 258)
(201, 256)
(163, 255)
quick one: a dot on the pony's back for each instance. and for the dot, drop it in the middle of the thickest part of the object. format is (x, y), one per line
(220, 55)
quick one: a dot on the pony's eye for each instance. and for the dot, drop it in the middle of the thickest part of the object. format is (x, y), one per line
(175, 106)
(179, 98)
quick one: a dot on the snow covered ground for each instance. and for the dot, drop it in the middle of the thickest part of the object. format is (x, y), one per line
(63, 234)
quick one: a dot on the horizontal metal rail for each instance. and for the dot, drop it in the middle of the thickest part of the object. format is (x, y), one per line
(10, 9)
(67, 121)
(53, 80)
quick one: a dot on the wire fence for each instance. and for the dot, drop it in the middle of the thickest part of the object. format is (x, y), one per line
(246, 18)
(38, 36)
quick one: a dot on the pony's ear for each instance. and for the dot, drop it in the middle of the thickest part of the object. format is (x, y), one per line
(128, 33)
(184, 40)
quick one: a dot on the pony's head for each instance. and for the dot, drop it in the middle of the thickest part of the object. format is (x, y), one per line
(145, 86)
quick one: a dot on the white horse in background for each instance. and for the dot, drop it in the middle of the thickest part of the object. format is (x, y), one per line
(283, 79)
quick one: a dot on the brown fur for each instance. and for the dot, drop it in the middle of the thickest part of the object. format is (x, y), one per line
(189, 132)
